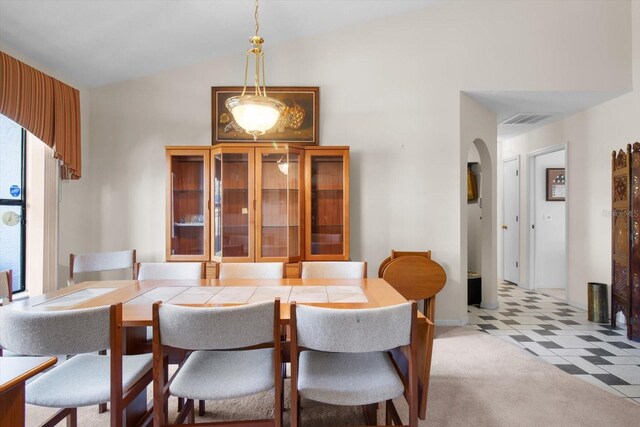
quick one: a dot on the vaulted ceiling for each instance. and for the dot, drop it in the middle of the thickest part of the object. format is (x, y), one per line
(97, 42)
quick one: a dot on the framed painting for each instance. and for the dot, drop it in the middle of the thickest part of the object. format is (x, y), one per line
(556, 185)
(472, 189)
(298, 124)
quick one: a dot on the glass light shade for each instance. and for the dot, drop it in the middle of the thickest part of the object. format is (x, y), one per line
(254, 113)
(284, 167)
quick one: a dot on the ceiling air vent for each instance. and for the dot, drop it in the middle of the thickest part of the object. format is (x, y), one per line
(526, 119)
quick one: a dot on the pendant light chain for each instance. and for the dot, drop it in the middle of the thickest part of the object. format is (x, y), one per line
(256, 18)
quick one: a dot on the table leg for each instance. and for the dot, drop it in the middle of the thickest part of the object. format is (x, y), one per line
(133, 343)
(12, 406)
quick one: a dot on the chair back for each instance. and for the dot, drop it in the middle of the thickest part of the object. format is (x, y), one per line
(38, 333)
(101, 261)
(333, 270)
(251, 270)
(216, 328)
(397, 254)
(352, 330)
(6, 291)
(169, 270)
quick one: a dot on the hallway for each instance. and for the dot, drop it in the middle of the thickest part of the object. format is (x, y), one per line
(561, 335)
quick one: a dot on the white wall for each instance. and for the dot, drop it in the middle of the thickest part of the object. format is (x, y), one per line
(591, 136)
(390, 89)
(549, 221)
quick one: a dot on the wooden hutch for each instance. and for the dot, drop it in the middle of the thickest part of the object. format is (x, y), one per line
(625, 245)
(257, 203)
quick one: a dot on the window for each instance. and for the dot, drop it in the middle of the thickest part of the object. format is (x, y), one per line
(12, 200)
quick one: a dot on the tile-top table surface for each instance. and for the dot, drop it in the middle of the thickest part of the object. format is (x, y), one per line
(138, 296)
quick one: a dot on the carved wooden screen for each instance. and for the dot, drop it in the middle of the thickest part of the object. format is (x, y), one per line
(633, 331)
(625, 245)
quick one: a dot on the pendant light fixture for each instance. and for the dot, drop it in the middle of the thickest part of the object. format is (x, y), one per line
(256, 113)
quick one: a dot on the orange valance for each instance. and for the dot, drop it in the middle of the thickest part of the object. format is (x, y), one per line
(44, 106)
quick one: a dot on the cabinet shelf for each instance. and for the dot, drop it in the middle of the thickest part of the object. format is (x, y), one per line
(188, 224)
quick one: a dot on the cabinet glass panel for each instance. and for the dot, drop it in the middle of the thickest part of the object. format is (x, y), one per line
(280, 210)
(231, 205)
(327, 205)
(188, 207)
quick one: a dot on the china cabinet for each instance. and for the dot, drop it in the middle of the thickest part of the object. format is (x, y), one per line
(257, 203)
(327, 204)
(187, 204)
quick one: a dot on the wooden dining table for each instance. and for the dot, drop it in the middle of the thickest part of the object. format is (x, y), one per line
(14, 373)
(137, 298)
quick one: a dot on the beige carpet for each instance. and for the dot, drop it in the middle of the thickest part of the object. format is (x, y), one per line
(476, 380)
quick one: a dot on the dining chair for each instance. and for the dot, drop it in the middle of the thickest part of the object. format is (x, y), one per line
(170, 270)
(235, 352)
(101, 261)
(333, 270)
(251, 270)
(6, 291)
(419, 278)
(341, 357)
(86, 378)
(397, 254)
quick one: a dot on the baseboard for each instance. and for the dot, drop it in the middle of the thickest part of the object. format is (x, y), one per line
(452, 322)
(489, 306)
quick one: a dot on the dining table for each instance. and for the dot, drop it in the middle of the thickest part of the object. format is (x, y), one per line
(14, 373)
(138, 296)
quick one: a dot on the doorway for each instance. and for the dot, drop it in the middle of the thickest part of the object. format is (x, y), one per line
(511, 220)
(547, 212)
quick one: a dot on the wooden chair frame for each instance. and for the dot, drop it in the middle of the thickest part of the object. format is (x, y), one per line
(120, 398)
(410, 380)
(162, 382)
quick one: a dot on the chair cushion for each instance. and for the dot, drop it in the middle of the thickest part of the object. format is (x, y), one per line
(84, 380)
(215, 375)
(348, 379)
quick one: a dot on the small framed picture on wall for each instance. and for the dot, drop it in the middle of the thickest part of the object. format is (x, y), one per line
(556, 185)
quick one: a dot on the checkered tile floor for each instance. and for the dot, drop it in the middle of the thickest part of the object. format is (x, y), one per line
(561, 335)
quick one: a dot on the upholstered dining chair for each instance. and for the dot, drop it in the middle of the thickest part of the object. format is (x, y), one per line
(340, 357)
(170, 270)
(251, 270)
(235, 353)
(101, 261)
(6, 290)
(333, 270)
(86, 378)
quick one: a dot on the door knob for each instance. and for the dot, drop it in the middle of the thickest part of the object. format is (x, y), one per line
(505, 226)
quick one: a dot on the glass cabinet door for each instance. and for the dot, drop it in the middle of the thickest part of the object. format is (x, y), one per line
(279, 204)
(327, 206)
(188, 205)
(232, 204)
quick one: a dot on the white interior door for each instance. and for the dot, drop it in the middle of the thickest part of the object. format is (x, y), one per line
(549, 226)
(511, 220)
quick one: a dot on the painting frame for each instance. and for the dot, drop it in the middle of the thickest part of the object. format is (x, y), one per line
(556, 184)
(301, 98)
(472, 188)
